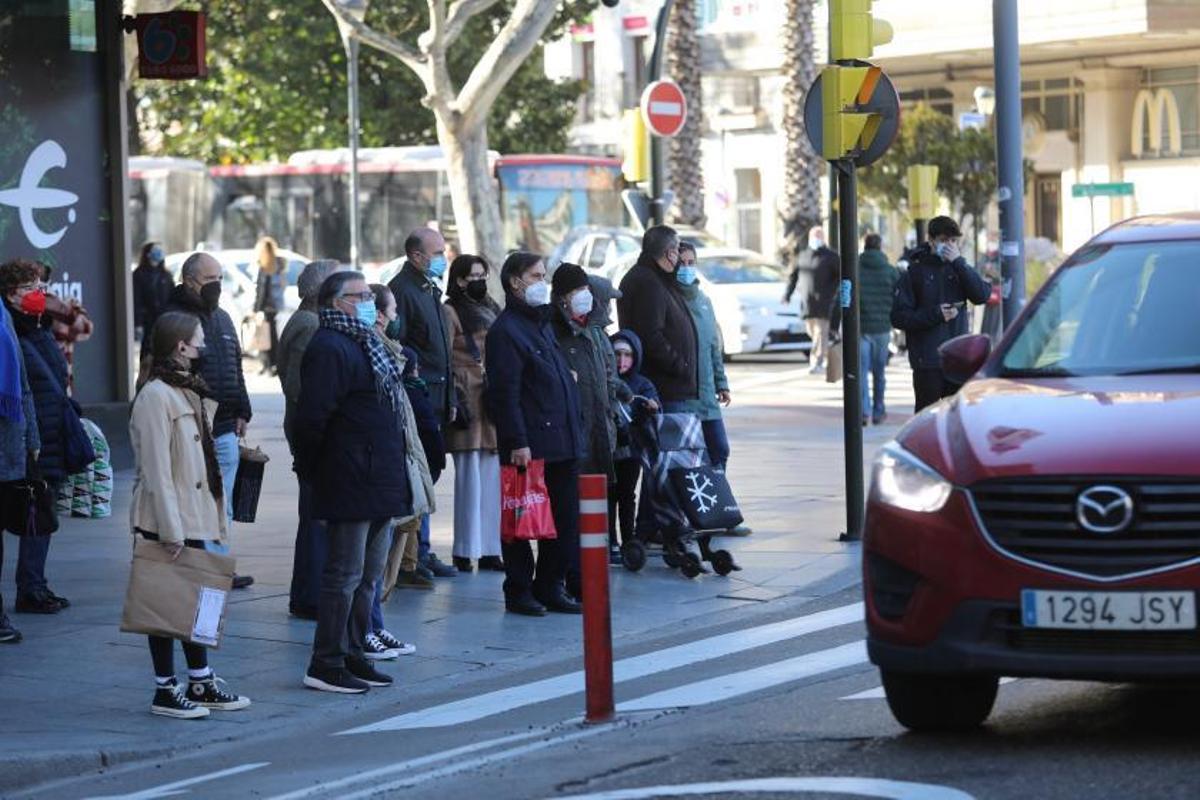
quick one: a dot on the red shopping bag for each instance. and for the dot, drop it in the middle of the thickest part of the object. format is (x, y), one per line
(525, 503)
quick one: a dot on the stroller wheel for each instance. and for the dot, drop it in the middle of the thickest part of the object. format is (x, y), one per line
(691, 566)
(722, 562)
(633, 555)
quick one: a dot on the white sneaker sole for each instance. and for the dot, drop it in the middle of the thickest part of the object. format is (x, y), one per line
(175, 713)
(236, 705)
(317, 683)
(386, 655)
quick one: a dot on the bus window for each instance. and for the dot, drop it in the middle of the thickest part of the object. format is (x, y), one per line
(541, 199)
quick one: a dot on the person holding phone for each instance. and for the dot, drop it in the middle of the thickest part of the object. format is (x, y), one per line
(928, 304)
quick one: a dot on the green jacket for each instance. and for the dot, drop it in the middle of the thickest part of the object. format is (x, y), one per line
(710, 367)
(877, 280)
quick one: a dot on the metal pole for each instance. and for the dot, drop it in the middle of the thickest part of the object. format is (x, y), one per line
(352, 67)
(834, 236)
(922, 231)
(1009, 156)
(851, 336)
(657, 172)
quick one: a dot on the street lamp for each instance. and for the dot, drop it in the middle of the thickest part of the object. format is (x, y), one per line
(985, 100)
(358, 10)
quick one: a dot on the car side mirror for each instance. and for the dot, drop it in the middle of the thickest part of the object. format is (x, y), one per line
(963, 356)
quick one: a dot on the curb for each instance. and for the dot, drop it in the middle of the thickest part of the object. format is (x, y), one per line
(26, 772)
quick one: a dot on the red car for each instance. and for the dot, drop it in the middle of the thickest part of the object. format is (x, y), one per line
(1045, 521)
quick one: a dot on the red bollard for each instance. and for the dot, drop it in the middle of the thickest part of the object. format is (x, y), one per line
(597, 620)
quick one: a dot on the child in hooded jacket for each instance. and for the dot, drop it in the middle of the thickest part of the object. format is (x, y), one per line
(622, 503)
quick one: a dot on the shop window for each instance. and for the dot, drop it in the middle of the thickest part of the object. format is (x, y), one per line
(938, 99)
(1183, 84)
(1058, 100)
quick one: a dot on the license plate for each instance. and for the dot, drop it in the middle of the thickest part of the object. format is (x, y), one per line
(1109, 611)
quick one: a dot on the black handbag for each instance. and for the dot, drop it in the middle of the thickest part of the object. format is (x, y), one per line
(706, 498)
(29, 505)
(247, 486)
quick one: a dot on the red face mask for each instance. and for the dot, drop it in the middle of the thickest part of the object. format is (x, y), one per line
(34, 303)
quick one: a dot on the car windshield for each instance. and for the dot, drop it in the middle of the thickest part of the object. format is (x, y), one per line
(738, 269)
(1115, 309)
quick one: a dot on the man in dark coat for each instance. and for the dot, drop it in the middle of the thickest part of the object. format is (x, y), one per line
(534, 402)
(822, 269)
(350, 446)
(221, 367)
(876, 281)
(422, 327)
(928, 306)
(653, 307)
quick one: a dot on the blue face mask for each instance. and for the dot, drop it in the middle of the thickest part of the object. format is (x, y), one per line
(366, 313)
(156, 255)
(437, 266)
(685, 275)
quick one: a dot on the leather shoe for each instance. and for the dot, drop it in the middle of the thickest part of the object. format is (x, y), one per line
(526, 606)
(39, 602)
(439, 568)
(462, 564)
(491, 564)
(242, 581)
(562, 603)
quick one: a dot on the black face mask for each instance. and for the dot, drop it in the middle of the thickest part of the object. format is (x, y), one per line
(477, 290)
(210, 295)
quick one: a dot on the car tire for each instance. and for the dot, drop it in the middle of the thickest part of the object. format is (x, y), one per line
(939, 703)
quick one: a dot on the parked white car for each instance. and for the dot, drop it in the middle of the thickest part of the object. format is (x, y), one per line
(746, 291)
(598, 249)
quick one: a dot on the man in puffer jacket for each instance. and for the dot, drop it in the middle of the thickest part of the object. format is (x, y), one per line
(876, 281)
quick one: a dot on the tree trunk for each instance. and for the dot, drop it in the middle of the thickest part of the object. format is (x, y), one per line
(684, 152)
(802, 167)
(476, 212)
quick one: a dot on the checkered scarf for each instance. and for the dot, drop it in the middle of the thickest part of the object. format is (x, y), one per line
(388, 382)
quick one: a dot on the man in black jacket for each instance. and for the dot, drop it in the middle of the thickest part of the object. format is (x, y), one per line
(423, 328)
(199, 293)
(928, 306)
(824, 270)
(652, 306)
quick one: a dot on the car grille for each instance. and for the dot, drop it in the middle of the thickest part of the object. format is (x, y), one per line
(1035, 520)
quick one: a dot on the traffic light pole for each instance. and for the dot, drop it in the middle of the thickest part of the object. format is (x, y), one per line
(847, 187)
(922, 234)
(1010, 161)
(658, 211)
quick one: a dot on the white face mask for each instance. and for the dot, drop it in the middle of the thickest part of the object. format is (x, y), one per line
(581, 303)
(537, 294)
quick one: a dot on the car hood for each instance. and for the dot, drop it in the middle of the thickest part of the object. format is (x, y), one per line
(1132, 425)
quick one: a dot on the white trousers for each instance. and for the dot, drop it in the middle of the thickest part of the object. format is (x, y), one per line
(476, 504)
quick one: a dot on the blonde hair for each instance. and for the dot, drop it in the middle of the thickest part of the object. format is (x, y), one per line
(267, 249)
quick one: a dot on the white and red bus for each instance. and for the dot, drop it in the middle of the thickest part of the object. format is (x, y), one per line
(303, 203)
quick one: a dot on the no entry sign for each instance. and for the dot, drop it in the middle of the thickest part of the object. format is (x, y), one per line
(664, 108)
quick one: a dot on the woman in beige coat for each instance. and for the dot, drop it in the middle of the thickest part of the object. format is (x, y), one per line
(178, 500)
(471, 437)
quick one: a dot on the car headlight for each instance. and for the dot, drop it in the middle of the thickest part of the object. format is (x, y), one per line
(900, 479)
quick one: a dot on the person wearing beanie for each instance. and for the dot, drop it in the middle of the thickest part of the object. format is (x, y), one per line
(310, 533)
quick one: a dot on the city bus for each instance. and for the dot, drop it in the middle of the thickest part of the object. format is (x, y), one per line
(302, 202)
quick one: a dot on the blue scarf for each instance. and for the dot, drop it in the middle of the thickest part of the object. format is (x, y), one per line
(10, 371)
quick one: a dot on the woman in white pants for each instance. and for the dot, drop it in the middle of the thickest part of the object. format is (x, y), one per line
(470, 437)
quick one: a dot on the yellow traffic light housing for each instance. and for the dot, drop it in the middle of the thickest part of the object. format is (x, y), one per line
(922, 191)
(636, 164)
(847, 126)
(853, 32)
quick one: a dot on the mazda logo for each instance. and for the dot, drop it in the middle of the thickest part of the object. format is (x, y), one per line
(1104, 509)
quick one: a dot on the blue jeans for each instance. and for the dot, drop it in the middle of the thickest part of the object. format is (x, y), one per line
(377, 603)
(310, 554)
(31, 564)
(873, 360)
(423, 541)
(226, 446)
(717, 442)
(357, 555)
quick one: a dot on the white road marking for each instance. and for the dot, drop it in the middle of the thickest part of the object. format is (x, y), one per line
(180, 787)
(736, 684)
(497, 702)
(877, 692)
(861, 787)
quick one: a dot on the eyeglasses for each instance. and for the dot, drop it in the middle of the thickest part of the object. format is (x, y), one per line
(361, 297)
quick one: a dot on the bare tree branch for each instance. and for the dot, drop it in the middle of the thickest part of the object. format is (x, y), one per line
(380, 41)
(502, 59)
(434, 45)
(460, 14)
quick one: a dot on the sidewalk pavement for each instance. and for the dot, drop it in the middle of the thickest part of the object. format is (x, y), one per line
(75, 693)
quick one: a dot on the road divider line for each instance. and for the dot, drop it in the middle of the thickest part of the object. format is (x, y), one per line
(877, 692)
(858, 787)
(170, 789)
(627, 669)
(735, 684)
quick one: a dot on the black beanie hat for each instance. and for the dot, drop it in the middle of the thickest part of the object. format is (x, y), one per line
(568, 278)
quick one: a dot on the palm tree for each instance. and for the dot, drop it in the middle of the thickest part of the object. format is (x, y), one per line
(686, 176)
(802, 166)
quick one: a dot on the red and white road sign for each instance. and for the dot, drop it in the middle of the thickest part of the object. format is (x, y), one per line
(664, 108)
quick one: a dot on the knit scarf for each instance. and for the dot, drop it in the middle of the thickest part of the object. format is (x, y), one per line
(195, 389)
(388, 382)
(10, 371)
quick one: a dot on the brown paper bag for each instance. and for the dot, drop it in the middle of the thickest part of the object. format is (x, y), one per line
(183, 599)
(833, 360)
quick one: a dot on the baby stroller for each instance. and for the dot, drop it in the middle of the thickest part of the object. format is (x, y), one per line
(673, 451)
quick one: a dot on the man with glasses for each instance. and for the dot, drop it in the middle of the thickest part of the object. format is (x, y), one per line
(928, 304)
(350, 446)
(199, 293)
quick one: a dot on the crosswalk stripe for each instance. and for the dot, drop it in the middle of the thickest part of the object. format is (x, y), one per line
(877, 692)
(736, 684)
(627, 669)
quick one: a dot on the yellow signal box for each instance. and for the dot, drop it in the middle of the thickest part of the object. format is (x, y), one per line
(636, 164)
(845, 128)
(853, 32)
(922, 191)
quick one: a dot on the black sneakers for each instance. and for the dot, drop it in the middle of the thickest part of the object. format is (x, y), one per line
(439, 568)
(170, 701)
(366, 672)
(208, 693)
(392, 643)
(8, 634)
(339, 681)
(375, 650)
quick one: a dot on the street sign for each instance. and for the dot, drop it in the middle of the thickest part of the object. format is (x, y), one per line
(1102, 190)
(971, 120)
(884, 102)
(664, 108)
